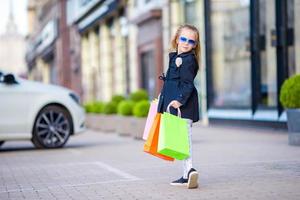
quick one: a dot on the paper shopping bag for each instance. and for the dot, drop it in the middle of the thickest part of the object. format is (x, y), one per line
(173, 137)
(150, 118)
(151, 143)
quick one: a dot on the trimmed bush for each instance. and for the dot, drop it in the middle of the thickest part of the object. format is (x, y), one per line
(89, 107)
(125, 107)
(141, 108)
(139, 95)
(98, 107)
(110, 108)
(117, 98)
(290, 92)
(94, 107)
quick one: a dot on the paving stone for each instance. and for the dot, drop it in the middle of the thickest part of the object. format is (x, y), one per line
(233, 163)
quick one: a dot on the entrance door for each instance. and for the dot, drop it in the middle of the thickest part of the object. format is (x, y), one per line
(272, 53)
(251, 48)
(263, 56)
(288, 44)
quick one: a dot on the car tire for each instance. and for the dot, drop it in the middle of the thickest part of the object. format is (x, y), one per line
(52, 128)
(1, 143)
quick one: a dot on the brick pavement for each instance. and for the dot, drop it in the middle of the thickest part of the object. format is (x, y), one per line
(233, 163)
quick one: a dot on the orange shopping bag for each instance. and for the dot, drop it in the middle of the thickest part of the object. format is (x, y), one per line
(151, 143)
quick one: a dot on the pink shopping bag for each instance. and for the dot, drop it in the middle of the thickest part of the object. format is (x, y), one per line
(150, 118)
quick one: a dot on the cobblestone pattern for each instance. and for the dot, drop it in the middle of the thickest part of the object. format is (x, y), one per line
(233, 163)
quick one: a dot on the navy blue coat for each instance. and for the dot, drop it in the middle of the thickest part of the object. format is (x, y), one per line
(179, 85)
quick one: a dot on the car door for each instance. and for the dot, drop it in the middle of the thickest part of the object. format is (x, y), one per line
(14, 108)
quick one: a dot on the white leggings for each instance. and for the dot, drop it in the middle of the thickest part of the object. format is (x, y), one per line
(188, 163)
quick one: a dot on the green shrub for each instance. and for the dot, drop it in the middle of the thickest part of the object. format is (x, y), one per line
(117, 98)
(88, 107)
(98, 107)
(94, 107)
(139, 95)
(141, 108)
(290, 92)
(110, 108)
(125, 107)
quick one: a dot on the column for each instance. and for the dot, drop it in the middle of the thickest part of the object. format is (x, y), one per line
(118, 59)
(106, 64)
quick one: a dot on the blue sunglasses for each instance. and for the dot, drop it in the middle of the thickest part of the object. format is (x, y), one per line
(189, 41)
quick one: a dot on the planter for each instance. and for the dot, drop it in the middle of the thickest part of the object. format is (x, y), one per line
(95, 121)
(109, 123)
(293, 116)
(138, 125)
(124, 127)
(105, 123)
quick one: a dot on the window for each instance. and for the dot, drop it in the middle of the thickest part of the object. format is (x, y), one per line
(190, 15)
(230, 56)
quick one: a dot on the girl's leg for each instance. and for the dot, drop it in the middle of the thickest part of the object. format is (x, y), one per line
(188, 163)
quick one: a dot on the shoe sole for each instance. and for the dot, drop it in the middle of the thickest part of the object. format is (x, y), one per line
(178, 184)
(193, 180)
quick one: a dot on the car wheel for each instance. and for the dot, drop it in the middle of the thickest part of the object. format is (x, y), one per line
(1, 143)
(52, 127)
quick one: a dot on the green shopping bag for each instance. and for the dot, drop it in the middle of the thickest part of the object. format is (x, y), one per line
(173, 136)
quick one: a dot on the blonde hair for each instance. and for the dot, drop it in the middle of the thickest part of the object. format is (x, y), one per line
(196, 49)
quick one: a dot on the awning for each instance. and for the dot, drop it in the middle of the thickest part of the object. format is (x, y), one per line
(97, 14)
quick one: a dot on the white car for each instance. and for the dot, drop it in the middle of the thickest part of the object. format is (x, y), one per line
(43, 113)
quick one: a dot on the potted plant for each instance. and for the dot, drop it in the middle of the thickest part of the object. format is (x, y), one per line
(290, 100)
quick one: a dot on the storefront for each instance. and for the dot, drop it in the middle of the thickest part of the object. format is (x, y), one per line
(251, 48)
(103, 47)
(41, 54)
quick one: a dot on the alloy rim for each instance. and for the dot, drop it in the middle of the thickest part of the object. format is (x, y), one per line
(52, 128)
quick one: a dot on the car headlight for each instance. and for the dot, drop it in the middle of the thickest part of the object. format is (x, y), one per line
(75, 97)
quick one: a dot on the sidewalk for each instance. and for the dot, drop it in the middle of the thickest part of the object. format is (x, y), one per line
(233, 163)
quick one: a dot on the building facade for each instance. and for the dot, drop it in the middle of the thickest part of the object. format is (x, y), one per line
(251, 48)
(103, 41)
(50, 56)
(248, 48)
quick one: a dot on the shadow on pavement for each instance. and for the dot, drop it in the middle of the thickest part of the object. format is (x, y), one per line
(29, 147)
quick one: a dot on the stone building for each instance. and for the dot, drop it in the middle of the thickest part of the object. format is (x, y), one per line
(50, 56)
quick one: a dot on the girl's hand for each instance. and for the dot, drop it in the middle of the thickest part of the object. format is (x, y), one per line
(175, 104)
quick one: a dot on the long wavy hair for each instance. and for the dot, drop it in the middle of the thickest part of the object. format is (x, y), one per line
(196, 49)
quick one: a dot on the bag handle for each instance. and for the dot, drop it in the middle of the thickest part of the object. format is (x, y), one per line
(178, 110)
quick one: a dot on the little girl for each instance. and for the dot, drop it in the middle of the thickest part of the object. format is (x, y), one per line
(179, 91)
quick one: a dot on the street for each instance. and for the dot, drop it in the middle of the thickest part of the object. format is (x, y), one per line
(233, 163)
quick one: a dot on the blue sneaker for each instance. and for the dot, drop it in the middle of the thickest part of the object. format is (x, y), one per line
(180, 182)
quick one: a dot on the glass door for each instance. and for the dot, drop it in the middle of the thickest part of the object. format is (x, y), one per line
(251, 48)
(285, 41)
(273, 53)
(264, 64)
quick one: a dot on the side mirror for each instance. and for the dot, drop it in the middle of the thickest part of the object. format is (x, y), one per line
(9, 79)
